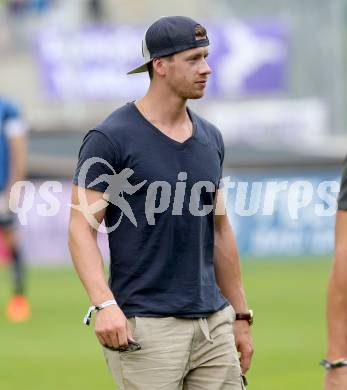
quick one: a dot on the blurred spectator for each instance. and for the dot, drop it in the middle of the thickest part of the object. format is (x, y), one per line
(12, 169)
(95, 9)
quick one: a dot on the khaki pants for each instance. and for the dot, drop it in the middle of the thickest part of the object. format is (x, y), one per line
(179, 354)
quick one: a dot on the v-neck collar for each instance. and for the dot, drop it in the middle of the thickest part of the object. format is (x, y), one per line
(163, 135)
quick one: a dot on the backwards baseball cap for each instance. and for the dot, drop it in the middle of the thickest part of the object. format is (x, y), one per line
(169, 35)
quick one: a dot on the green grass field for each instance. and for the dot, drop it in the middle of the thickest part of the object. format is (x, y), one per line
(54, 350)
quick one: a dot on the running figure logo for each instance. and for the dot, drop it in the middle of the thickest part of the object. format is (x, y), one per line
(118, 184)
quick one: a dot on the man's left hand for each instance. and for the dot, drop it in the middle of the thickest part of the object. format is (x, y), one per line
(244, 344)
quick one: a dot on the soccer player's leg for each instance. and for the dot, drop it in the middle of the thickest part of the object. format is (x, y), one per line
(4, 252)
(18, 308)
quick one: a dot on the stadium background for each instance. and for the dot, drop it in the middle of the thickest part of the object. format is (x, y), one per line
(278, 96)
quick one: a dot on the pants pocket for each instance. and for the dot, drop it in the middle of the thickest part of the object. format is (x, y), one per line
(229, 314)
(132, 321)
(232, 311)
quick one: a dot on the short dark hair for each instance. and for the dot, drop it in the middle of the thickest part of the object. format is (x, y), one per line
(150, 65)
(150, 70)
(200, 32)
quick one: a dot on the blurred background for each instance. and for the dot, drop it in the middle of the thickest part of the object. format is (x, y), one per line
(278, 95)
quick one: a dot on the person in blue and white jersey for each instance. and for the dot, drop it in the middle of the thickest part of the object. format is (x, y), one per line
(13, 132)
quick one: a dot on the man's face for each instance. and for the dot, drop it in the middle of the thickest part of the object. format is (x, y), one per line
(187, 72)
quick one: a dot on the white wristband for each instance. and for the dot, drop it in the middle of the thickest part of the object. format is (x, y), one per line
(96, 308)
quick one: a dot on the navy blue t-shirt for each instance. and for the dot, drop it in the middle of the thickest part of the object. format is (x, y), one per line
(342, 203)
(161, 225)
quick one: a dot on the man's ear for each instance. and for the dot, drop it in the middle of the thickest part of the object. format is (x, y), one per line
(160, 66)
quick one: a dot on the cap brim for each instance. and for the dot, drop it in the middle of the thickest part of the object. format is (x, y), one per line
(140, 69)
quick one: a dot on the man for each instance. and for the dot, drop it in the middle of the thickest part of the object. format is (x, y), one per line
(174, 266)
(12, 169)
(336, 363)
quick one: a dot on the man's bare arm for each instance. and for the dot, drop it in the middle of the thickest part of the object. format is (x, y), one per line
(85, 252)
(228, 277)
(337, 306)
(227, 265)
(111, 326)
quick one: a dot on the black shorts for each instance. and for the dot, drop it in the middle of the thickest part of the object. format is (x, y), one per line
(6, 215)
(6, 220)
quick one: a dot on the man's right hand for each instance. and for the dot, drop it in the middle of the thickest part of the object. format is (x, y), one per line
(112, 327)
(336, 379)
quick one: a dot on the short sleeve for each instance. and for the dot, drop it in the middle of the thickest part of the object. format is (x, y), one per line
(342, 201)
(13, 122)
(11, 112)
(97, 160)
